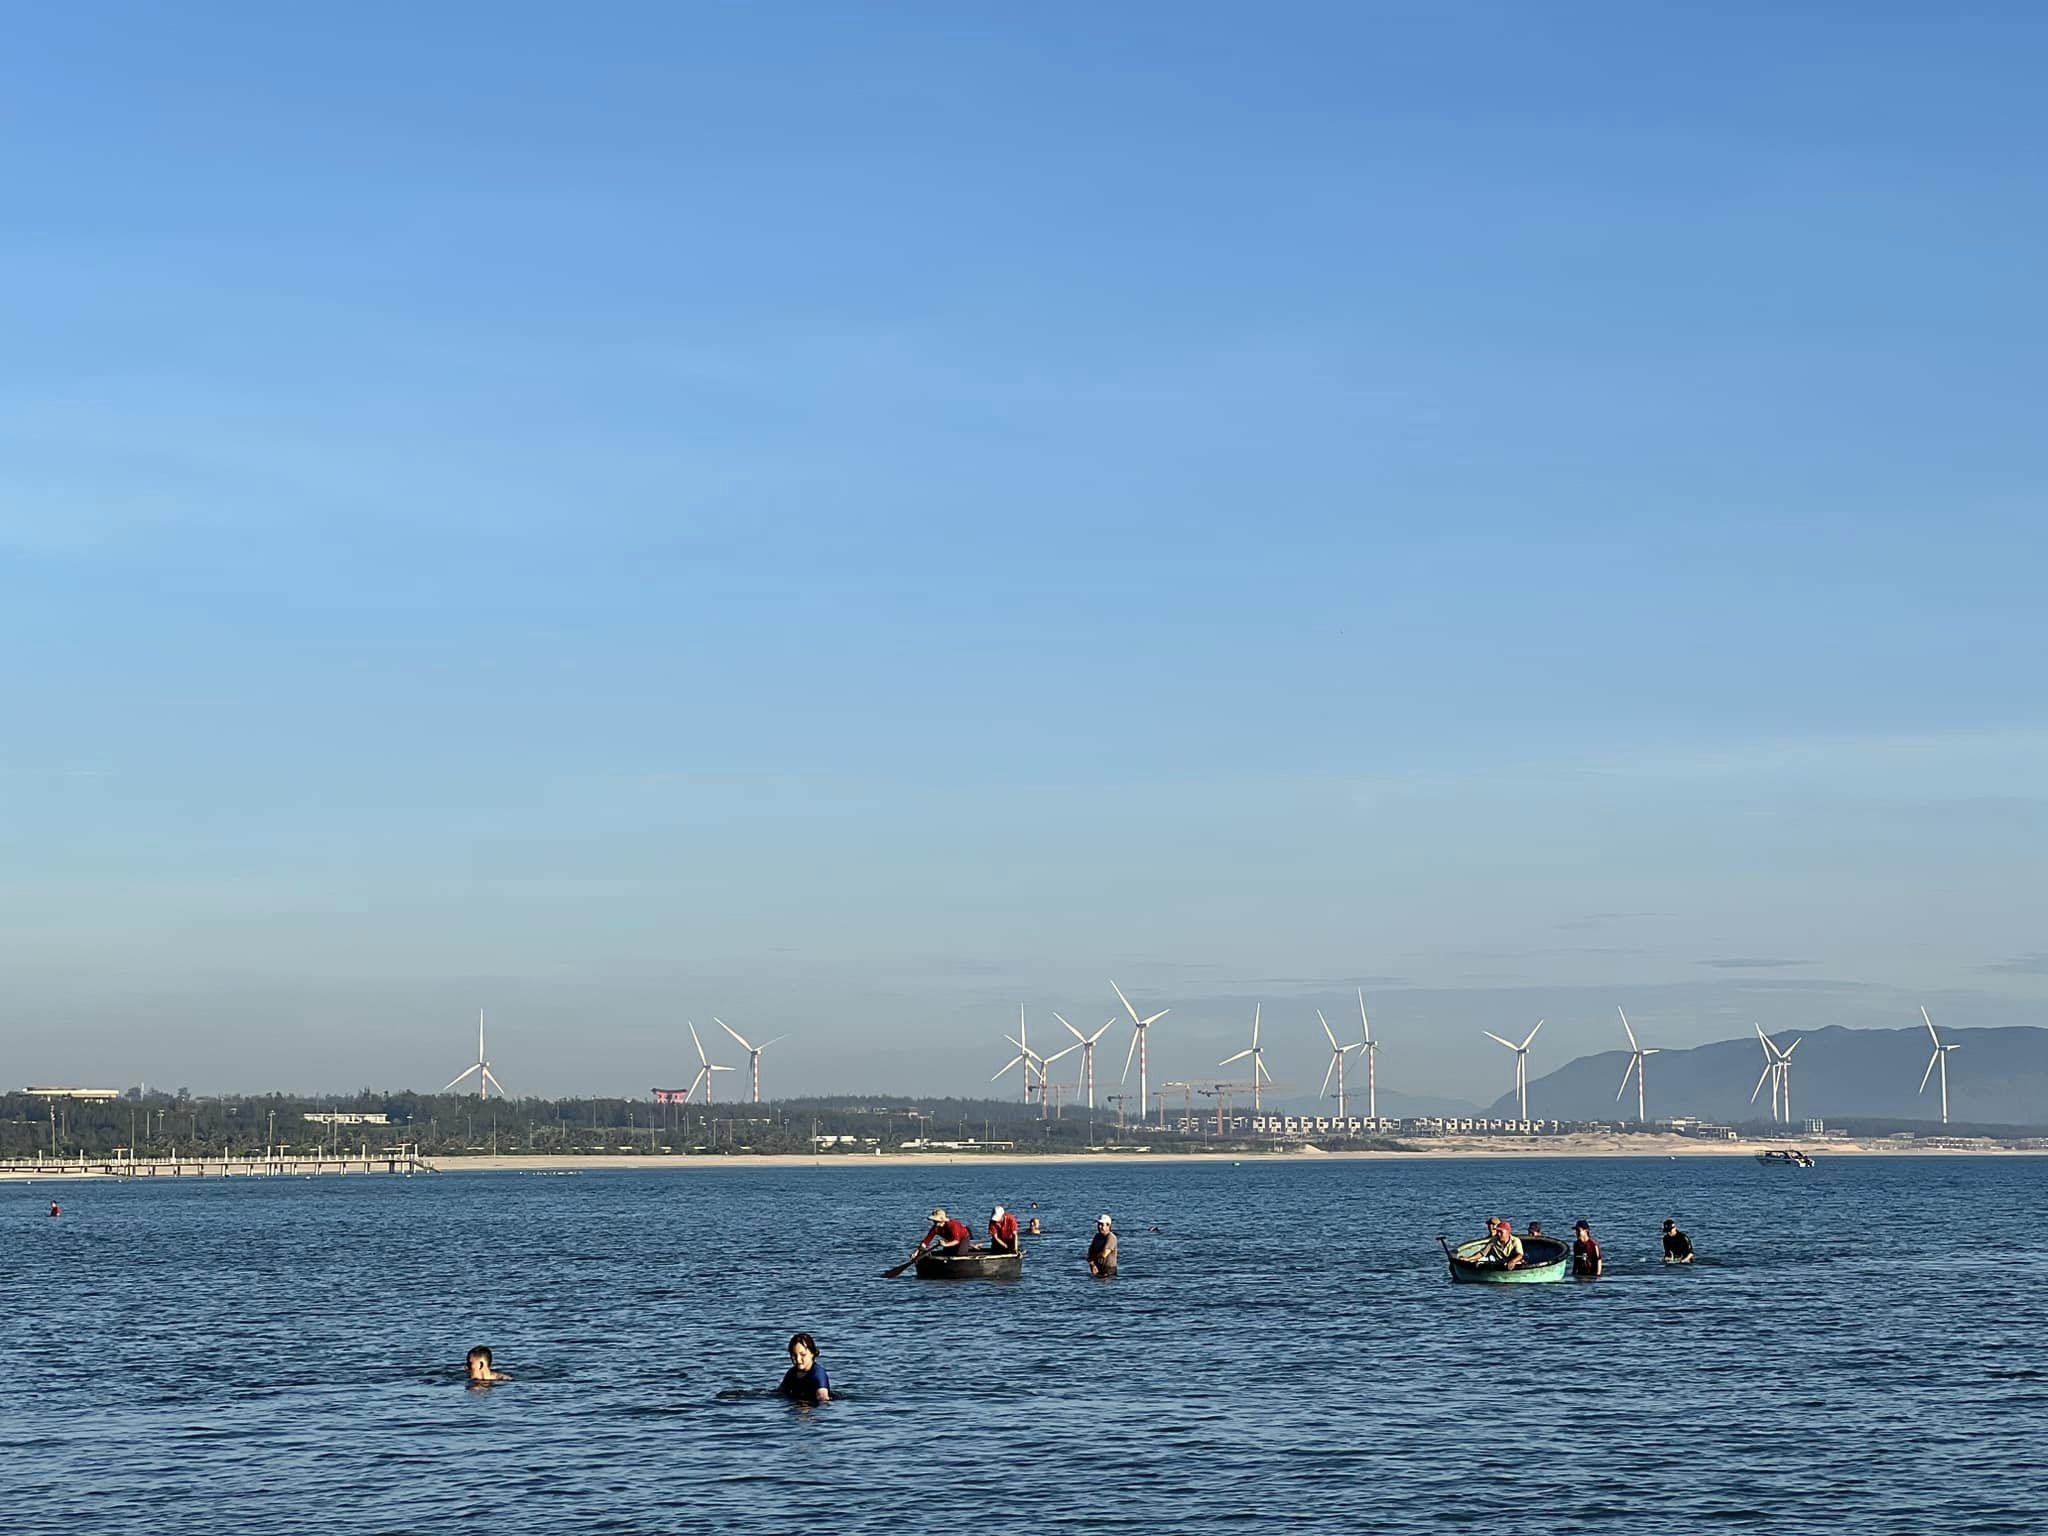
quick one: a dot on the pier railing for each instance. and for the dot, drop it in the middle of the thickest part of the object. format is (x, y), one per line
(214, 1165)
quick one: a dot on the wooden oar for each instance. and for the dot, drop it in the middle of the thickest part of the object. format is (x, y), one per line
(891, 1274)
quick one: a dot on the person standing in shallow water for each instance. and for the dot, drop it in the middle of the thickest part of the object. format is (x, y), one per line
(805, 1381)
(1102, 1249)
(1587, 1260)
(1677, 1246)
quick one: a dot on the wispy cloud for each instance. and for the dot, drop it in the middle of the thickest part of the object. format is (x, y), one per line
(2033, 964)
(1749, 963)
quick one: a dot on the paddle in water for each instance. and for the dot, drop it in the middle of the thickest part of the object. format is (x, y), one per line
(891, 1274)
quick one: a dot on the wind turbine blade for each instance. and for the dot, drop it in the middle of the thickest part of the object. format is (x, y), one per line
(1259, 1068)
(1046, 1061)
(1362, 1019)
(697, 1042)
(1328, 1072)
(1069, 1028)
(465, 1073)
(1255, 1026)
(1633, 1043)
(1131, 1054)
(1162, 1013)
(1930, 1024)
(1006, 1067)
(1119, 991)
(1626, 1073)
(1651, 1051)
(492, 1078)
(1532, 1035)
(1226, 1061)
(1102, 1031)
(1326, 1028)
(766, 1043)
(731, 1031)
(1497, 1039)
(1786, 1054)
(1924, 1076)
(1759, 1088)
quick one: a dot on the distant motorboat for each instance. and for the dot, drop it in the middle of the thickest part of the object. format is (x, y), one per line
(1781, 1159)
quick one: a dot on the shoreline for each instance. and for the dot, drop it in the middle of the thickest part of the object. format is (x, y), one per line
(1442, 1149)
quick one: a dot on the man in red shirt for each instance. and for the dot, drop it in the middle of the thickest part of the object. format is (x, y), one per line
(946, 1236)
(1002, 1232)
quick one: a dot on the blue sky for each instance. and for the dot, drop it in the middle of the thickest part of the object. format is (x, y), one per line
(857, 518)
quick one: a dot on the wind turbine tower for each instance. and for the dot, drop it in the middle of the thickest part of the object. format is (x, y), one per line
(1938, 1059)
(705, 1069)
(1521, 1067)
(1337, 1055)
(486, 1080)
(1372, 1060)
(753, 1053)
(1258, 1057)
(1139, 1029)
(1087, 1056)
(1636, 1057)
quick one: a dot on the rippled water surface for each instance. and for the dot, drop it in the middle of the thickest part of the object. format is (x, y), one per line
(1859, 1348)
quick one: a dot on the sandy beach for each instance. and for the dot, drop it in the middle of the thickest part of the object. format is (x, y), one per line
(1443, 1147)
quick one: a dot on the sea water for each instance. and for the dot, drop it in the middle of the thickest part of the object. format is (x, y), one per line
(1860, 1347)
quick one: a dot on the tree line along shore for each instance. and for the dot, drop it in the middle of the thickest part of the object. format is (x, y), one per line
(146, 1124)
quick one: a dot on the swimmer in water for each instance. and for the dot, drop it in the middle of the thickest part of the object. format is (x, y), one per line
(480, 1372)
(805, 1381)
(56, 1209)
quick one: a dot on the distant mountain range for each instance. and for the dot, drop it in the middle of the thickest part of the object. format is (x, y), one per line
(1998, 1077)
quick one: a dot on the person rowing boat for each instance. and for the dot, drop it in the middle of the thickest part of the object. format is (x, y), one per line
(948, 1236)
(1503, 1249)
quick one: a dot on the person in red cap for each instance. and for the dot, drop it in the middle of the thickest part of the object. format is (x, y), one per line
(1503, 1248)
(1002, 1231)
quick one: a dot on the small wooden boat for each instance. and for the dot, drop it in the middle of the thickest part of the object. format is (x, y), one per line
(1777, 1159)
(970, 1266)
(1545, 1258)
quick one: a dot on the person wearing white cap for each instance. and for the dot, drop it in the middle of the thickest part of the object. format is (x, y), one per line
(1002, 1231)
(1102, 1248)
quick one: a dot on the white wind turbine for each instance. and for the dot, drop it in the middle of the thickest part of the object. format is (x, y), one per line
(1778, 1068)
(753, 1052)
(1337, 1055)
(1087, 1055)
(1938, 1059)
(1636, 1057)
(1025, 1057)
(486, 1079)
(1140, 1027)
(1258, 1057)
(704, 1070)
(1045, 1078)
(1371, 1047)
(1521, 1066)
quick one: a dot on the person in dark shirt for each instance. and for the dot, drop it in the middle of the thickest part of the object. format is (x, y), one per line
(947, 1235)
(805, 1381)
(1677, 1246)
(1102, 1249)
(1587, 1261)
(1535, 1229)
(1002, 1231)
